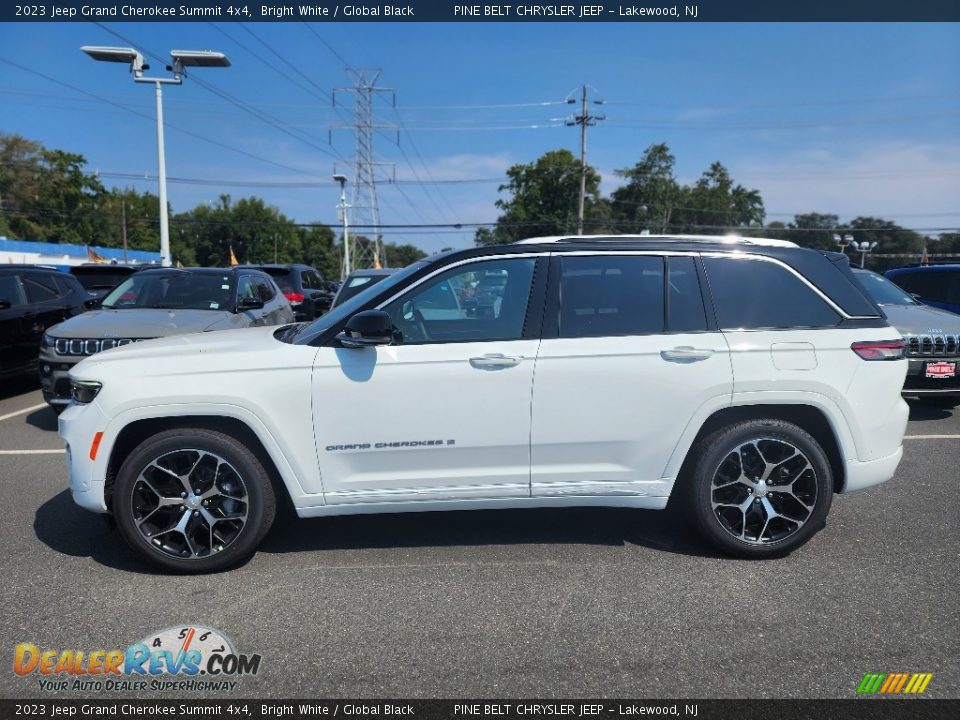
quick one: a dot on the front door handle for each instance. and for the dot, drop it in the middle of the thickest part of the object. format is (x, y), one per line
(685, 353)
(494, 361)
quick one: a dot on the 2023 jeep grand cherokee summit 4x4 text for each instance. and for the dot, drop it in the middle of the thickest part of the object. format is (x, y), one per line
(749, 379)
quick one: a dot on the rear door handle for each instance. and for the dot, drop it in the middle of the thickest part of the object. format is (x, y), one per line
(495, 360)
(686, 353)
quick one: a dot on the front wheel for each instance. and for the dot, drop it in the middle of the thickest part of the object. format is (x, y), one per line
(760, 488)
(193, 500)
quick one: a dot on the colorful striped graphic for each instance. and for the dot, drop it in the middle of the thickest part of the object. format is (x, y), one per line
(894, 683)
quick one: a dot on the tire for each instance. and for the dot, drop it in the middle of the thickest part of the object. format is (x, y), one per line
(229, 511)
(749, 519)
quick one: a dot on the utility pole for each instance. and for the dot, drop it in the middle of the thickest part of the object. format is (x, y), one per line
(123, 216)
(584, 120)
(366, 212)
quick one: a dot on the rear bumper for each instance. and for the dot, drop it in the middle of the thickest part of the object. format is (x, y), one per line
(861, 475)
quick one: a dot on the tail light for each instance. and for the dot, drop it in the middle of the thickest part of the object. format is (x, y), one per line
(294, 297)
(880, 350)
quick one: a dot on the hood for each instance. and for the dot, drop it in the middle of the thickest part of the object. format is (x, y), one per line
(197, 352)
(922, 320)
(140, 323)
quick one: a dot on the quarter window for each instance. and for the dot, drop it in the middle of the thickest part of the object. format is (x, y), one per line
(481, 301)
(754, 293)
(40, 289)
(610, 295)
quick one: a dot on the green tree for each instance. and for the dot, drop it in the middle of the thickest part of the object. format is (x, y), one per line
(650, 195)
(544, 197)
(715, 203)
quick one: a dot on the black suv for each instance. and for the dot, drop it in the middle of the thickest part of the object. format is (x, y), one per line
(100, 278)
(303, 286)
(32, 298)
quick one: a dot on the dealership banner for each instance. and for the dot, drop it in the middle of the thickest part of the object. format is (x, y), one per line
(578, 11)
(486, 709)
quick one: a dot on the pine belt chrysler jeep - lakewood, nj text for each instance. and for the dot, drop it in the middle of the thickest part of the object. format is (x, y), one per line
(748, 379)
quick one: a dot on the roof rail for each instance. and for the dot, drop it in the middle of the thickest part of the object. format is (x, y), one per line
(721, 239)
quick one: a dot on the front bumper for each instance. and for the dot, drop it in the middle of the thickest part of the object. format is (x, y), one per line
(55, 375)
(918, 385)
(78, 425)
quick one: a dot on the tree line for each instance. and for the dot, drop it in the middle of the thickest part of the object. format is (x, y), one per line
(48, 195)
(542, 199)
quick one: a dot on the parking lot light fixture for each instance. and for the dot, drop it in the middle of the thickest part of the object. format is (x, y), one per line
(181, 60)
(342, 210)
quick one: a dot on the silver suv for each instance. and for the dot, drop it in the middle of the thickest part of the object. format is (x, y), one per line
(157, 303)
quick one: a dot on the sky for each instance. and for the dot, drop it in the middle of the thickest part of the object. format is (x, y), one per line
(856, 119)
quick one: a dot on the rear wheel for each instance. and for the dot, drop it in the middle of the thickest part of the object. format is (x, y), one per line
(760, 488)
(193, 500)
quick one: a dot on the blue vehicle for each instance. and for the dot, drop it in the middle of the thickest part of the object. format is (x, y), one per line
(936, 285)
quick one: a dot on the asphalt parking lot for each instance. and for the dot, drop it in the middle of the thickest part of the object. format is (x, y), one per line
(545, 603)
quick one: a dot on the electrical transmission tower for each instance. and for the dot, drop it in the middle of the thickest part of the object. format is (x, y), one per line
(584, 120)
(365, 212)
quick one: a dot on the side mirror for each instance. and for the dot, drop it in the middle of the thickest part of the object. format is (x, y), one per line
(249, 303)
(4, 304)
(92, 303)
(367, 328)
(916, 296)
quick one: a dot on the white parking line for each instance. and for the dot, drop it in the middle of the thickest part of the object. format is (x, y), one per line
(32, 452)
(21, 412)
(931, 437)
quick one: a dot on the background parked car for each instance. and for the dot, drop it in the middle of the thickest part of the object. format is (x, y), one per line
(156, 303)
(360, 280)
(99, 279)
(932, 336)
(32, 298)
(303, 286)
(937, 285)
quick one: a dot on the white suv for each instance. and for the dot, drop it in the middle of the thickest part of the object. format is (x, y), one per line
(747, 379)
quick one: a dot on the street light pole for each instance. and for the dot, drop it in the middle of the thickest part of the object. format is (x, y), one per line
(162, 181)
(345, 265)
(182, 59)
(864, 247)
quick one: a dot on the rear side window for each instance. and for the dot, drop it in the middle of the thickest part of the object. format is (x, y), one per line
(306, 280)
(754, 293)
(40, 288)
(610, 295)
(684, 300)
(11, 291)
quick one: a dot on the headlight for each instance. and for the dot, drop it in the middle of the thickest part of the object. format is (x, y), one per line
(49, 340)
(84, 391)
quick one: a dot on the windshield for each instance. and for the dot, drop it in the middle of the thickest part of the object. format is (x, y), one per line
(346, 309)
(881, 290)
(175, 290)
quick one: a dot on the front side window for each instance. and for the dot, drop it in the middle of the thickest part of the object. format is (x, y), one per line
(752, 293)
(264, 290)
(247, 288)
(476, 302)
(611, 295)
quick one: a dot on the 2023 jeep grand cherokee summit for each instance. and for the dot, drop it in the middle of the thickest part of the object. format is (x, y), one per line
(749, 379)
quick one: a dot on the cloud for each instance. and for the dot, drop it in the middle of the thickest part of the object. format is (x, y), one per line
(913, 184)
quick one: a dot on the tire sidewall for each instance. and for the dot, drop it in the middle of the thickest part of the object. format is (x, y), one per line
(718, 446)
(243, 462)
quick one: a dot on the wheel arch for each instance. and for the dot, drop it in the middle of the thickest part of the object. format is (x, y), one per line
(135, 432)
(808, 417)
